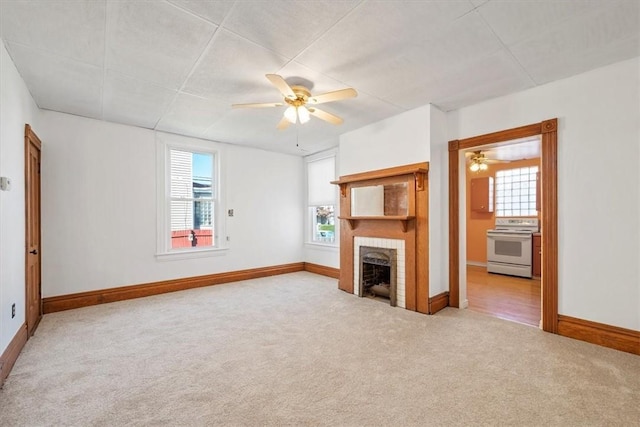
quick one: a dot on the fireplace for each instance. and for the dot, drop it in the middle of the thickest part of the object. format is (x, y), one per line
(378, 274)
(396, 231)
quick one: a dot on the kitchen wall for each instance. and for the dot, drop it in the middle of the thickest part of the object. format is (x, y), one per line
(16, 109)
(479, 222)
(598, 183)
(99, 207)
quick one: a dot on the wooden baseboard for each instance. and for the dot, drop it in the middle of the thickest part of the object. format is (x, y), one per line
(438, 302)
(621, 339)
(102, 296)
(322, 269)
(10, 355)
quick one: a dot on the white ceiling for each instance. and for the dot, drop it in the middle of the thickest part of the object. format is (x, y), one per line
(178, 65)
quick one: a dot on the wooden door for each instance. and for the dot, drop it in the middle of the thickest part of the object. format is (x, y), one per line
(33, 257)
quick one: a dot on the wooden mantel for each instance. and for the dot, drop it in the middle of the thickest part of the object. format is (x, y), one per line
(417, 169)
(411, 227)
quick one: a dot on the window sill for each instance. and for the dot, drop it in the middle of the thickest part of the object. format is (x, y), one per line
(191, 254)
(322, 246)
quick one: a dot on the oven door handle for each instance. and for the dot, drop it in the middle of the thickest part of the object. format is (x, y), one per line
(508, 238)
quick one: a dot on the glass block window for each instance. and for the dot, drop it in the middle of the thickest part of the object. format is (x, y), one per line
(516, 192)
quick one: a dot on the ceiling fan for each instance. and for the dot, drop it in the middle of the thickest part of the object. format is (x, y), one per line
(478, 161)
(301, 102)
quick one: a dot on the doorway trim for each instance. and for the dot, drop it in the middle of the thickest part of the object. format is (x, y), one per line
(32, 193)
(548, 129)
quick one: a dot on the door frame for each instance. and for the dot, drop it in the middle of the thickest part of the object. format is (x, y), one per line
(31, 139)
(548, 130)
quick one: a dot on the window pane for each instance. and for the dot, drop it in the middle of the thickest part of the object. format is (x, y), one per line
(191, 174)
(191, 199)
(191, 223)
(324, 229)
(181, 174)
(202, 175)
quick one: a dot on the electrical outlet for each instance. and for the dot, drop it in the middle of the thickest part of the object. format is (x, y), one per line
(13, 310)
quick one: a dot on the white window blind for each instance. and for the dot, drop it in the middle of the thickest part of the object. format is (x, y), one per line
(319, 175)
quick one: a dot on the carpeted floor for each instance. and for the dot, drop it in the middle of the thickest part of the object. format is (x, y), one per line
(294, 350)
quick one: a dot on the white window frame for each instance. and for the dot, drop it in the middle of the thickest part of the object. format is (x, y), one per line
(166, 143)
(309, 222)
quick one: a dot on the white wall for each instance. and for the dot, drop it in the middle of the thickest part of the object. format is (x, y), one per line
(16, 109)
(438, 203)
(598, 183)
(397, 141)
(99, 208)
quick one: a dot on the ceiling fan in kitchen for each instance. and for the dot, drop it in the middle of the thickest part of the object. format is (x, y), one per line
(478, 161)
(301, 103)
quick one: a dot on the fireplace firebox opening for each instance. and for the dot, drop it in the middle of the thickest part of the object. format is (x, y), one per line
(378, 274)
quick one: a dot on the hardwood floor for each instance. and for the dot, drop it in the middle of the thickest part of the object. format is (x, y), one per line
(511, 298)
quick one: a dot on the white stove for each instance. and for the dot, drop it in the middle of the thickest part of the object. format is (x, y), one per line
(509, 246)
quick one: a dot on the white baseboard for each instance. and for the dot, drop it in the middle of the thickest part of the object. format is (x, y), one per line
(477, 264)
(465, 304)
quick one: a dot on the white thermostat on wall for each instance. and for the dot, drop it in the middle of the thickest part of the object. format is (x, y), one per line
(5, 183)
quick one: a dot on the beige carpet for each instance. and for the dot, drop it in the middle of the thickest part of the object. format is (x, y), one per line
(293, 350)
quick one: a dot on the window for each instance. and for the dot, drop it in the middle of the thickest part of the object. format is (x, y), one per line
(191, 199)
(516, 192)
(189, 221)
(321, 196)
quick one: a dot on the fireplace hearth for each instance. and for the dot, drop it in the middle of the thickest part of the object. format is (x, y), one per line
(378, 275)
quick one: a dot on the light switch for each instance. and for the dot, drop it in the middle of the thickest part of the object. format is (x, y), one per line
(5, 183)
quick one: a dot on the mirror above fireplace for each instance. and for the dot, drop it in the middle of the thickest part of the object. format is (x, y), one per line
(380, 200)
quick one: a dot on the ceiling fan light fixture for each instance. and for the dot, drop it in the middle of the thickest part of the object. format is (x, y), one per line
(295, 98)
(475, 167)
(483, 166)
(303, 114)
(291, 114)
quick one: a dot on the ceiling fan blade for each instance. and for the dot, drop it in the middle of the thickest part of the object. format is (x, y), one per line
(327, 117)
(336, 95)
(258, 105)
(281, 85)
(284, 123)
(496, 161)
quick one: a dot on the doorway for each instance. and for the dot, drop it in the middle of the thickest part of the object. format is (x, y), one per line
(501, 188)
(33, 257)
(549, 216)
